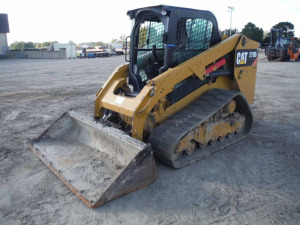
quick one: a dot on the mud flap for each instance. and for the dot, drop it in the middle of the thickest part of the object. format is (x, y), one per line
(98, 163)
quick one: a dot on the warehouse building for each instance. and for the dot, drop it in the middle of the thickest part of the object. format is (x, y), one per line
(4, 29)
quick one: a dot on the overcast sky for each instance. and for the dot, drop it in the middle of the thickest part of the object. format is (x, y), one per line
(96, 20)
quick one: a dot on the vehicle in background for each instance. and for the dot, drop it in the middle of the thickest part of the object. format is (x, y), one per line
(281, 48)
(92, 52)
(118, 47)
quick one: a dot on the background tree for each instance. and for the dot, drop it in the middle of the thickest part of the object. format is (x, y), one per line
(29, 45)
(122, 39)
(253, 32)
(45, 44)
(93, 43)
(19, 45)
(38, 45)
(226, 32)
(287, 28)
(266, 38)
(234, 31)
(100, 43)
(287, 31)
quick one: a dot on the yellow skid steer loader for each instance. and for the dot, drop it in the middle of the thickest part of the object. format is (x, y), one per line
(183, 95)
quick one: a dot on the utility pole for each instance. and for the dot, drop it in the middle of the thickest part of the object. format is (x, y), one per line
(230, 8)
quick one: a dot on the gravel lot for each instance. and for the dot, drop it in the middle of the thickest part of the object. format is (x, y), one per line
(256, 181)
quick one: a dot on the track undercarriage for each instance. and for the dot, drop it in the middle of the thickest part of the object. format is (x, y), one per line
(216, 120)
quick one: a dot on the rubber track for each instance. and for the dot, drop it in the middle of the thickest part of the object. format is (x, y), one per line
(165, 137)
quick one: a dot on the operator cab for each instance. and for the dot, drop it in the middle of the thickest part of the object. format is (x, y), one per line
(282, 42)
(164, 37)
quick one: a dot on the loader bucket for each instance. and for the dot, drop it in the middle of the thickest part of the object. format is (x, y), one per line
(97, 162)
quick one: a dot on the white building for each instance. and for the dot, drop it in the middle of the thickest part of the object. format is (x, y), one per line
(116, 45)
(69, 48)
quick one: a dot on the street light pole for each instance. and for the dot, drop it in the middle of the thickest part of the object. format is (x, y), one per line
(231, 9)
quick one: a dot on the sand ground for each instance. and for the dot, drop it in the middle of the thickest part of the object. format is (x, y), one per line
(255, 181)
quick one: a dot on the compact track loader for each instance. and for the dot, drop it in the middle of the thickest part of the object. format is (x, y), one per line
(183, 95)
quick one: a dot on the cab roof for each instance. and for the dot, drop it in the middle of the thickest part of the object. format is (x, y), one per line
(158, 8)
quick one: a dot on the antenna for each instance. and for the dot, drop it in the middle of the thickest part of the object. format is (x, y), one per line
(230, 8)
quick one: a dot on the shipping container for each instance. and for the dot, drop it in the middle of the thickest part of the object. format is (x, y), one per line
(69, 48)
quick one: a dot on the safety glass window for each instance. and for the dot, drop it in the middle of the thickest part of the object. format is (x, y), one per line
(150, 48)
(192, 37)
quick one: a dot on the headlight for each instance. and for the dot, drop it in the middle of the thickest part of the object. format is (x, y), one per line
(163, 12)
